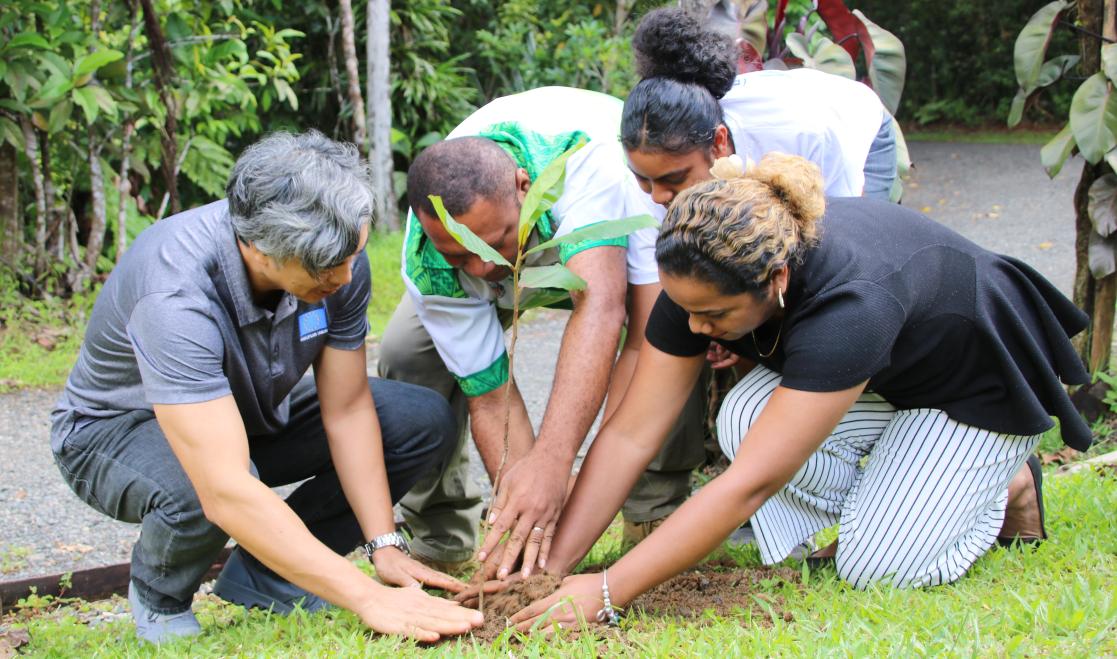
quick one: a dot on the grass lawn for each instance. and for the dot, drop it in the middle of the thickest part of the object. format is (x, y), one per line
(1058, 599)
(980, 136)
(40, 347)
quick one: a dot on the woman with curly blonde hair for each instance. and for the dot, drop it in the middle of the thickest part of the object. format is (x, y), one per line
(904, 375)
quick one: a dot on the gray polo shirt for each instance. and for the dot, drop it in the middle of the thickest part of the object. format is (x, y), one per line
(176, 323)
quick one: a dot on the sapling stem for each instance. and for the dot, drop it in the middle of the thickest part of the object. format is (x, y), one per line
(485, 528)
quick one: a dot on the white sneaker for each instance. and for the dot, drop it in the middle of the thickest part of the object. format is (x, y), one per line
(159, 627)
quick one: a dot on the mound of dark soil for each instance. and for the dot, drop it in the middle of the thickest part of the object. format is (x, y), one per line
(723, 588)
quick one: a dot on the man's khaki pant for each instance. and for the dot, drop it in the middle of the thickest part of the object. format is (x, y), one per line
(444, 509)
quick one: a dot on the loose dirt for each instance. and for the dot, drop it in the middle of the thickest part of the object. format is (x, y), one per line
(721, 587)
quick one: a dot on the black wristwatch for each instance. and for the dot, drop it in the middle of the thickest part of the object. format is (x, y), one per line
(393, 539)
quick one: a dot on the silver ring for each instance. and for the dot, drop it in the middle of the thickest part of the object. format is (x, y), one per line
(537, 529)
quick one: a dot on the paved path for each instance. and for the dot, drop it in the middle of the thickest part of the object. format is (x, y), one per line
(997, 195)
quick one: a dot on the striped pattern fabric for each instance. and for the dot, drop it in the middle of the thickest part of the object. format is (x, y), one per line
(919, 497)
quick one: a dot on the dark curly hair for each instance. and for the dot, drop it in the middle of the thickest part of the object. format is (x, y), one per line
(460, 170)
(685, 68)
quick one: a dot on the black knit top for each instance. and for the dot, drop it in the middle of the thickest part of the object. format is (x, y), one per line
(927, 317)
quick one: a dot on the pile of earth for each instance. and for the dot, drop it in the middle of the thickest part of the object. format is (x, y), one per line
(721, 587)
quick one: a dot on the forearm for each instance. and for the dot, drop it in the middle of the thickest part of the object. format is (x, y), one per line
(585, 362)
(487, 414)
(639, 303)
(611, 469)
(622, 376)
(357, 453)
(266, 526)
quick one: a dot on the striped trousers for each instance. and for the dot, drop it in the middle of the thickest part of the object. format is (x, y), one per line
(918, 496)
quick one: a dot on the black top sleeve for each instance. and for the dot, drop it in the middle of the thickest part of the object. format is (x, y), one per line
(669, 330)
(842, 338)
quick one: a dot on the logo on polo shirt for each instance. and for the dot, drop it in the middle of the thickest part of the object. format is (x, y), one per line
(312, 323)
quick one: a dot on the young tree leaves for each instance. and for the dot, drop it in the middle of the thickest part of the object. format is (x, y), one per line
(544, 192)
(599, 231)
(1054, 154)
(1093, 117)
(95, 60)
(465, 237)
(1031, 44)
(551, 276)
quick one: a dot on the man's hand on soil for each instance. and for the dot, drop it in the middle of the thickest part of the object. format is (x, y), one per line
(396, 568)
(413, 613)
(529, 500)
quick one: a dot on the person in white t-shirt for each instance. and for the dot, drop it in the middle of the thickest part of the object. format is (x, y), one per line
(448, 331)
(690, 108)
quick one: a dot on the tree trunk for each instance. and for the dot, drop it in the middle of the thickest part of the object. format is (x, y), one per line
(164, 74)
(123, 183)
(11, 227)
(96, 237)
(31, 150)
(380, 116)
(1105, 289)
(1097, 297)
(349, 51)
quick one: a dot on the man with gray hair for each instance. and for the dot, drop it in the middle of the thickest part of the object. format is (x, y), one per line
(188, 401)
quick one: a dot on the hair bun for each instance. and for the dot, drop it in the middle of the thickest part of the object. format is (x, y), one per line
(796, 181)
(729, 167)
(670, 43)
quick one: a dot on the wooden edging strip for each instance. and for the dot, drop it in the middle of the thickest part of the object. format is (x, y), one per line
(1104, 460)
(90, 584)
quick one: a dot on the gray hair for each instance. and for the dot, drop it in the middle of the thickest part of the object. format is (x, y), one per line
(302, 197)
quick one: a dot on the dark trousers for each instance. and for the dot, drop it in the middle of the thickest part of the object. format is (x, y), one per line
(124, 468)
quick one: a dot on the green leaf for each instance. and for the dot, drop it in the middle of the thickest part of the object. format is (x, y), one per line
(59, 115)
(797, 44)
(1111, 159)
(465, 237)
(1055, 68)
(888, 65)
(3, 69)
(1031, 44)
(1016, 112)
(1054, 154)
(832, 58)
(544, 192)
(551, 276)
(10, 133)
(1092, 110)
(104, 101)
(599, 231)
(1102, 204)
(85, 99)
(51, 91)
(95, 60)
(27, 40)
(1109, 60)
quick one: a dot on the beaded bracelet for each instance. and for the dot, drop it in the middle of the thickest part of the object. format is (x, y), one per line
(607, 614)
